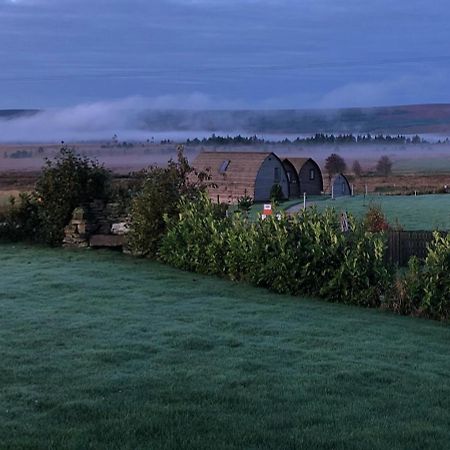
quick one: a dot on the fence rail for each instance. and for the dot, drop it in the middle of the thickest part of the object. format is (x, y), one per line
(401, 245)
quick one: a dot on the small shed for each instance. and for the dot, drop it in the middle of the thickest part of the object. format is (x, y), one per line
(310, 180)
(340, 186)
(235, 174)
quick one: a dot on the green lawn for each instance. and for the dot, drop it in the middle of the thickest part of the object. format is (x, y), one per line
(103, 351)
(424, 212)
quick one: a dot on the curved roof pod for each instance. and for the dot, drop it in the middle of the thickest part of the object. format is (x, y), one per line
(309, 174)
(340, 186)
(236, 174)
(292, 174)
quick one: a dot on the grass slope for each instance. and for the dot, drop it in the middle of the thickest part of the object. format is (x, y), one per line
(103, 351)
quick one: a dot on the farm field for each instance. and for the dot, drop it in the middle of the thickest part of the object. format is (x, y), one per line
(102, 351)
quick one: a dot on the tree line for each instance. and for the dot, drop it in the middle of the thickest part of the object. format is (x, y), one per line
(318, 138)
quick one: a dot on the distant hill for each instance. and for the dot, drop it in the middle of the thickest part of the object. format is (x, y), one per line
(414, 119)
(16, 113)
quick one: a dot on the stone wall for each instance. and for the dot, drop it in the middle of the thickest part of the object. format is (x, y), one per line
(97, 224)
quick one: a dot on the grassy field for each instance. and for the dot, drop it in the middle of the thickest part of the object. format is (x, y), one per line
(103, 351)
(424, 212)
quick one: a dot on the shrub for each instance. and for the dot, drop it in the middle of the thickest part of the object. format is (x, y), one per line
(306, 254)
(362, 276)
(407, 294)
(245, 203)
(425, 290)
(159, 200)
(195, 238)
(65, 183)
(375, 220)
(20, 221)
(276, 194)
(436, 278)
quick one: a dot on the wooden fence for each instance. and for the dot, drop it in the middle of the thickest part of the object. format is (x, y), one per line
(401, 245)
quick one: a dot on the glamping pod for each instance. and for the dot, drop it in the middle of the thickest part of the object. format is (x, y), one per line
(292, 175)
(309, 175)
(340, 186)
(235, 174)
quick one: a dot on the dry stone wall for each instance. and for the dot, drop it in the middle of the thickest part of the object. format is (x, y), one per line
(96, 224)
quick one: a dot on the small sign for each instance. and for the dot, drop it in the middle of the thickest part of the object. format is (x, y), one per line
(267, 209)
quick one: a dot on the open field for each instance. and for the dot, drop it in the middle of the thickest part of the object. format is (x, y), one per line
(424, 212)
(104, 351)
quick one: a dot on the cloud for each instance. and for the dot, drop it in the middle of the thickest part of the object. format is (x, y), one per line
(101, 120)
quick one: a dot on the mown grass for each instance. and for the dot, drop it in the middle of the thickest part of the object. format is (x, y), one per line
(103, 351)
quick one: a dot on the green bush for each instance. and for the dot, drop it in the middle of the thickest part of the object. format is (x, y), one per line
(436, 278)
(276, 194)
(245, 203)
(424, 290)
(306, 254)
(159, 200)
(65, 183)
(20, 221)
(407, 295)
(195, 238)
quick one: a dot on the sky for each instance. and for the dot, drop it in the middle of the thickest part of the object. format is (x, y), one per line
(224, 53)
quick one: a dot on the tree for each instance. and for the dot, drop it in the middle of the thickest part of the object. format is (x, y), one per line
(158, 200)
(384, 166)
(335, 164)
(357, 169)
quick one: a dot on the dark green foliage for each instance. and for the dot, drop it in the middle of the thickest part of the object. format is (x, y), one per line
(425, 290)
(245, 203)
(306, 254)
(158, 199)
(276, 194)
(436, 299)
(195, 238)
(66, 182)
(317, 139)
(20, 221)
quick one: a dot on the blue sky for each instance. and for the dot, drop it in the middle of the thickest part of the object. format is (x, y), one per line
(224, 53)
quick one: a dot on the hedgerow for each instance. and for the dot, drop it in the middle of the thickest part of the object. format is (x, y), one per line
(425, 290)
(305, 254)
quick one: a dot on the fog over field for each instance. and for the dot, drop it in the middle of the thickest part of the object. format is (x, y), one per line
(175, 118)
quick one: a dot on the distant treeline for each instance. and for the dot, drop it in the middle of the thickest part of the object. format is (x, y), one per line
(319, 138)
